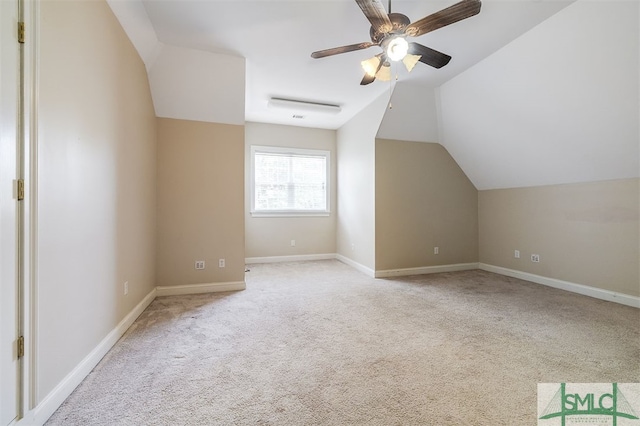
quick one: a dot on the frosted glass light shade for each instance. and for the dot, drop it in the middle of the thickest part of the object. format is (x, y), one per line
(410, 61)
(370, 66)
(397, 49)
(384, 74)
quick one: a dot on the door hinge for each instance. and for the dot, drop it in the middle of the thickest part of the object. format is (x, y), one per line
(20, 32)
(20, 346)
(20, 189)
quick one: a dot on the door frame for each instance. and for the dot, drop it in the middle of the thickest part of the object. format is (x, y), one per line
(30, 15)
(11, 52)
(28, 387)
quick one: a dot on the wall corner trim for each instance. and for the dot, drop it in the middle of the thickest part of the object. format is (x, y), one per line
(598, 293)
(177, 290)
(61, 392)
(387, 273)
(360, 267)
(294, 258)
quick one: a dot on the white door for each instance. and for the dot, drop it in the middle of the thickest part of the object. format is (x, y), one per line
(9, 296)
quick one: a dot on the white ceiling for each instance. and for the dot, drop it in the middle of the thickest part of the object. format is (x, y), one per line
(558, 105)
(276, 38)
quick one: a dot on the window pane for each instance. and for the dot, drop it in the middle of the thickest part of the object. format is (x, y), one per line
(271, 197)
(310, 197)
(271, 168)
(290, 182)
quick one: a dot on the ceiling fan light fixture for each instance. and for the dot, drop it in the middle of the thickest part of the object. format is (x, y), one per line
(390, 30)
(370, 66)
(384, 74)
(410, 61)
(397, 48)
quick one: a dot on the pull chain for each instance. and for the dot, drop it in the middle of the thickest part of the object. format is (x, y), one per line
(391, 84)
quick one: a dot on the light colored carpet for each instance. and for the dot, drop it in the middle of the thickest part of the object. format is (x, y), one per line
(320, 343)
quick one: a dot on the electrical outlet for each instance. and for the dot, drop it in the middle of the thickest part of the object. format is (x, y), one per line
(126, 288)
(436, 250)
(221, 263)
(516, 254)
(293, 243)
(535, 258)
(199, 264)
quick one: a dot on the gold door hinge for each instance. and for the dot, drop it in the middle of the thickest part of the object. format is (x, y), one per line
(20, 32)
(20, 189)
(20, 347)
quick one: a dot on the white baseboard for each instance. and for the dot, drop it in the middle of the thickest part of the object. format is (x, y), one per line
(177, 290)
(56, 397)
(294, 258)
(598, 293)
(40, 414)
(308, 257)
(425, 270)
(365, 270)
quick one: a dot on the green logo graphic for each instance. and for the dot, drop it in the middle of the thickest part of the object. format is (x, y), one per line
(613, 405)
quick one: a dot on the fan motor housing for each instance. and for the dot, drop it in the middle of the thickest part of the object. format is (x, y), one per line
(398, 21)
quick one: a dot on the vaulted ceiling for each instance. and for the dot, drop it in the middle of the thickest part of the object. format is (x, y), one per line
(276, 39)
(538, 91)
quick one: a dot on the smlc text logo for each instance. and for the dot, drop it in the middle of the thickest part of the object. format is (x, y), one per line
(562, 404)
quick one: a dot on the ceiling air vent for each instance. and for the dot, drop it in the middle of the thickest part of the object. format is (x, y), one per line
(296, 106)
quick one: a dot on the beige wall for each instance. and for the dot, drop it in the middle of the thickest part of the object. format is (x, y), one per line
(271, 236)
(423, 200)
(200, 202)
(98, 227)
(96, 184)
(585, 233)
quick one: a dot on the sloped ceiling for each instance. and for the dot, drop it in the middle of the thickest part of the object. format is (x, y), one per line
(276, 39)
(182, 88)
(558, 105)
(538, 91)
(412, 114)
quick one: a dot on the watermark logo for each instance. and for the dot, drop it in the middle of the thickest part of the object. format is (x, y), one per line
(611, 404)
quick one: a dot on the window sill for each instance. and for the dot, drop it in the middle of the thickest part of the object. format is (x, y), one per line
(290, 214)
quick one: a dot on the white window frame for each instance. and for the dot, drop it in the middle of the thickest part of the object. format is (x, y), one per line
(292, 151)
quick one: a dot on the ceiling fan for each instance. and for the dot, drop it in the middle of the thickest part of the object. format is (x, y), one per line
(389, 31)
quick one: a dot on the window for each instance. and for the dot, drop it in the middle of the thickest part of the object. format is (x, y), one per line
(289, 181)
